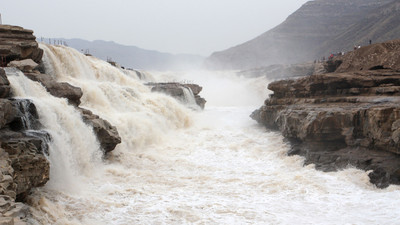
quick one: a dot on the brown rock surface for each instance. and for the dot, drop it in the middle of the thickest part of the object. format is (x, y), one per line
(7, 112)
(23, 165)
(4, 85)
(58, 89)
(106, 133)
(377, 56)
(176, 90)
(346, 118)
(31, 168)
(17, 43)
(26, 65)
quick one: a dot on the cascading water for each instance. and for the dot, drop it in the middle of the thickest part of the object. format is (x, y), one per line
(221, 168)
(74, 149)
(189, 98)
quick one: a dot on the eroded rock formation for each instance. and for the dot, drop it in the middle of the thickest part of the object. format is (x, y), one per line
(57, 89)
(377, 56)
(106, 133)
(347, 118)
(23, 164)
(17, 43)
(177, 90)
(23, 145)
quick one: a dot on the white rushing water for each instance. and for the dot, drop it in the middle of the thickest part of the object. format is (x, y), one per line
(177, 166)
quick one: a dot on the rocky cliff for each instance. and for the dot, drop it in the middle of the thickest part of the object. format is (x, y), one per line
(23, 143)
(23, 146)
(318, 28)
(349, 117)
(17, 43)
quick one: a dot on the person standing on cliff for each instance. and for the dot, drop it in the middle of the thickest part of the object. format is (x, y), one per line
(370, 41)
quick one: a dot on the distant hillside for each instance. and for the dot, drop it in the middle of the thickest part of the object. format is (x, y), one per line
(318, 28)
(134, 57)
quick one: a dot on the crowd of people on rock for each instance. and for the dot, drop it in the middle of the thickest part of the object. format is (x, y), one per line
(332, 55)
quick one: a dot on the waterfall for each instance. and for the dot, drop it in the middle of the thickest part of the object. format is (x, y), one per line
(189, 98)
(141, 117)
(177, 166)
(73, 149)
(140, 75)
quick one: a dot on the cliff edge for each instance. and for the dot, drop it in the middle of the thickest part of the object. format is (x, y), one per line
(348, 117)
(23, 140)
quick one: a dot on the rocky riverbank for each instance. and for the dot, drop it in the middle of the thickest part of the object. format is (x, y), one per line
(348, 117)
(23, 143)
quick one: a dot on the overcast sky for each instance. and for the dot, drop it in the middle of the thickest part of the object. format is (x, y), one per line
(174, 26)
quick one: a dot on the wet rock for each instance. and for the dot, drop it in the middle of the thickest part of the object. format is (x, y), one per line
(340, 119)
(7, 112)
(31, 168)
(176, 90)
(4, 85)
(18, 43)
(58, 89)
(26, 65)
(106, 133)
(7, 185)
(26, 116)
(12, 212)
(196, 89)
(200, 101)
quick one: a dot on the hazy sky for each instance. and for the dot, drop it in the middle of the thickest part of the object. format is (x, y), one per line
(175, 26)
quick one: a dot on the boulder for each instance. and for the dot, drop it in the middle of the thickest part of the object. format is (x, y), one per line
(26, 65)
(177, 90)
(58, 89)
(26, 153)
(4, 85)
(7, 185)
(17, 43)
(7, 112)
(12, 212)
(106, 133)
(196, 89)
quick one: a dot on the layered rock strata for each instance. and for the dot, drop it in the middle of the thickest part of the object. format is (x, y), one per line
(106, 133)
(23, 145)
(17, 43)
(340, 119)
(176, 90)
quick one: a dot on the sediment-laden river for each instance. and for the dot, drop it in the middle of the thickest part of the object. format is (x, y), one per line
(178, 166)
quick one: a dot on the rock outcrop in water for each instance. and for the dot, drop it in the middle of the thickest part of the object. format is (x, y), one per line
(350, 117)
(177, 90)
(106, 133)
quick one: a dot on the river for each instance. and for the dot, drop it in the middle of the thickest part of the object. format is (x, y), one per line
(179, 166)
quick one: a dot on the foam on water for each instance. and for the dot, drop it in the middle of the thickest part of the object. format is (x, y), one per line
(181, 167)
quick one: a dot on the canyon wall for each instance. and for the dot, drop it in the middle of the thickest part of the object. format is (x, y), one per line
(348, 117)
